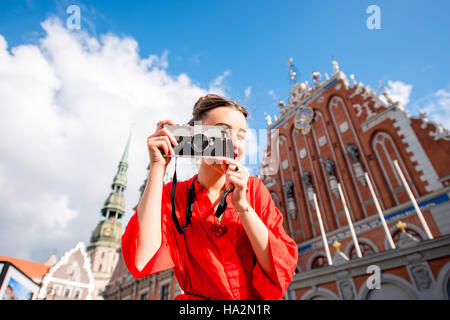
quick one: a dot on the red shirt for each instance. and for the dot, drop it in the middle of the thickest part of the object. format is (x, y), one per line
(217, 267)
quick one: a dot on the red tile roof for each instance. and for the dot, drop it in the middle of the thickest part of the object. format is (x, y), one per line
(33, 270)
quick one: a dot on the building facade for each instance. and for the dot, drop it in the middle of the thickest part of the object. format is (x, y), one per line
(70, 278)
(158, 286)
(330, 145)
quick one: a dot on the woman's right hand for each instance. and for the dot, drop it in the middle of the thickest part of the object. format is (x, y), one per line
(161, 142)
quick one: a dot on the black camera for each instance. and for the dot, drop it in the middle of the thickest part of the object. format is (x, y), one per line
(201, 141)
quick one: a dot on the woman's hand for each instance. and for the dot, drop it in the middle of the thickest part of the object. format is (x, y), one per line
(161, 142)
(237, 179)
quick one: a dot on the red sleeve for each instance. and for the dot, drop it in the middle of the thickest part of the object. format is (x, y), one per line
(282, 249)
(162, 259)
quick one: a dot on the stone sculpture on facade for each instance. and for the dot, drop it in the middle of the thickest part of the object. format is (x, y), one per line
(353, 152)
(307, 179)
(330, 167)
(288, 188)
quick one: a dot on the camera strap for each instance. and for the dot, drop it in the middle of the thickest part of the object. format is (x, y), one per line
(190, 202)
(223, 203)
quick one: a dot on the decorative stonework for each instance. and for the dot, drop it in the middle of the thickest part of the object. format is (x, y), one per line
(403, 123)
(421, 276)
(365, 106)
(347, 289)
(78, 274)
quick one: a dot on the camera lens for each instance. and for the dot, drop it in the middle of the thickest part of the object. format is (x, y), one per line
(199, 142)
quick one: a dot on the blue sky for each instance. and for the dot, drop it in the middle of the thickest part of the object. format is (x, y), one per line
(70, 98)
(255, 39)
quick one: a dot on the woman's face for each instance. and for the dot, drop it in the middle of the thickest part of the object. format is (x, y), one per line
(235, 121)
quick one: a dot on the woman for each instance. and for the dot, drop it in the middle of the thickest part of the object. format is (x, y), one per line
(243, 254)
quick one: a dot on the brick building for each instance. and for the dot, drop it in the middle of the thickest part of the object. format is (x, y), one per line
(158, 286)
(332, 134)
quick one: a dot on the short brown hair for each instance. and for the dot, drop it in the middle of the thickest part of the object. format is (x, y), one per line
(211, 101)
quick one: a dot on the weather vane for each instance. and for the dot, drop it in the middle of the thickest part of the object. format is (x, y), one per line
(381, 87)
(281, 105)
(292, 70)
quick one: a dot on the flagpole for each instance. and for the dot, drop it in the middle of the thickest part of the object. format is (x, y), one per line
(413, 200)
(349, 221)
(380, 213)
(322, 230)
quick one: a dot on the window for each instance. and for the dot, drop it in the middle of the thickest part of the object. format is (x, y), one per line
(319, 262)
(164, 292)
(74, 272)
(67, 292)
(77, 294)
(100, 267)
(56, 291)
(144, 296)
(366, 250)
(103, 255)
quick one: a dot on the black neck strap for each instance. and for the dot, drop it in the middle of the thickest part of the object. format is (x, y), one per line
(223, 202)
(189, 205)
(190, 202)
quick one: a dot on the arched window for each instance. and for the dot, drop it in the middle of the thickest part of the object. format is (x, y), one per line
(448, 287)
(319, 262)
(386, 152)
(392, 290)
(366, 250)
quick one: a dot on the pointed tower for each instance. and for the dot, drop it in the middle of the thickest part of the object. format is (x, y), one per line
(104, 246)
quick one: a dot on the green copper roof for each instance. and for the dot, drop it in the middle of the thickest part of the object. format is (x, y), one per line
(108, 233)
(115, 203)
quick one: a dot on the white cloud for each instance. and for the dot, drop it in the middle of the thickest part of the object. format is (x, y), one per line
(67, 107)
(272, 94)
(217, 85)
(436, 104)
(399, 91)
(248, 92)
(438, 107)
(195, 59)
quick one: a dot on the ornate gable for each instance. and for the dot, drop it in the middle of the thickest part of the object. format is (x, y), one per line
(71, 278)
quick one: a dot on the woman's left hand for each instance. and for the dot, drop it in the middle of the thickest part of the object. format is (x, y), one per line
(237, 179)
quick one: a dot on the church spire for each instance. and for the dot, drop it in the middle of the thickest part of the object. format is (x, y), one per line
(114, 207)
(104, 246)
(125, 153)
